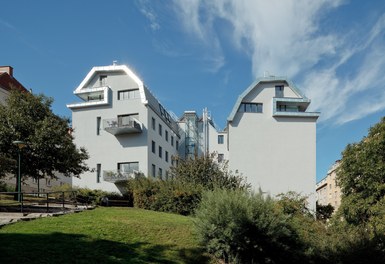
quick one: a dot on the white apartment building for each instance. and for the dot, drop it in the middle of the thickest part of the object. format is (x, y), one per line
(270, 138)
(124, 127)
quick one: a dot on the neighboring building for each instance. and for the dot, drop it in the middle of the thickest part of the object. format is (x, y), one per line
(270, 138)
(125, 129)
(328, 191)
(7, 83)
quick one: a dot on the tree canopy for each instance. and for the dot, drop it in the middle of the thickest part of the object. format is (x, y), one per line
(49, 145)
(361, 176)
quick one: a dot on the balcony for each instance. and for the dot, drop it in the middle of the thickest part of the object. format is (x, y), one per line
(122, 125)
(118, 176)
(91, 97)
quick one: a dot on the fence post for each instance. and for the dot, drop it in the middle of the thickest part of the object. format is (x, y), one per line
(63, 201)
(22, 199)
(47, 204)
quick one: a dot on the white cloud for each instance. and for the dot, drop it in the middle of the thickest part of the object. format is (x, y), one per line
(148, 12)
(342, 72)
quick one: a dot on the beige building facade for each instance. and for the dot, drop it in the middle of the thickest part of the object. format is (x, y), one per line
(328, 191)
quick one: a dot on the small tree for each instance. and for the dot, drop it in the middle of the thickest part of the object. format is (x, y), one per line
(205, 171)
(50, 147)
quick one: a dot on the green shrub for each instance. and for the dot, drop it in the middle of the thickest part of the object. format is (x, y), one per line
(164, 195)
(240, 227)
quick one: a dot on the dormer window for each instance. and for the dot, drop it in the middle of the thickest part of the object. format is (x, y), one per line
(102, 80)
(279, 91)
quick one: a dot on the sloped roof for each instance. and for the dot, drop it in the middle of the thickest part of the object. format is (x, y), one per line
(7, 82)
(265, 80)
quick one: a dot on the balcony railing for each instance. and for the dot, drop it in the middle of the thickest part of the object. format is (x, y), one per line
(118, 176)
(120, 126)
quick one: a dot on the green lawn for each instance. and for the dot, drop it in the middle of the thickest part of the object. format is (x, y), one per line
(103, 235)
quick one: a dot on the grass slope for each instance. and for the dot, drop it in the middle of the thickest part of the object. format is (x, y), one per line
(103, 235)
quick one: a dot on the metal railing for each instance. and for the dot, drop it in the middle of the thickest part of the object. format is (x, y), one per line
(48, 202)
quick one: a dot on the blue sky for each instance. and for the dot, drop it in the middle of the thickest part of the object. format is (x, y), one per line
(194, 54)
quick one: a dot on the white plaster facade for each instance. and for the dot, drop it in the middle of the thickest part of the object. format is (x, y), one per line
(272, 139)
(124, 128)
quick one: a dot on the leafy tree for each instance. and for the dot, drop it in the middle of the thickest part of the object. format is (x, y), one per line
(205, 171)
(361, 176)
(49, 145)
(324, 212)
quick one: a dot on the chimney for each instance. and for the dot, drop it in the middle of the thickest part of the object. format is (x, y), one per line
(7, 69)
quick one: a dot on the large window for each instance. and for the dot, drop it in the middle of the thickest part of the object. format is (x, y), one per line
(128, 167)
(127, 120)
(250, 108)
(220, 139)
(128, 94)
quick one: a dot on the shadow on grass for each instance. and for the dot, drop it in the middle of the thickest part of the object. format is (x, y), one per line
(70, 248)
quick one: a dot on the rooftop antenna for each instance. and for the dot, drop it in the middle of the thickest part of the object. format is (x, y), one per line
(115, 62)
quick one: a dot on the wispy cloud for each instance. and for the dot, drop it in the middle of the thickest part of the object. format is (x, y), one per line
(337, 70)
(147, 10)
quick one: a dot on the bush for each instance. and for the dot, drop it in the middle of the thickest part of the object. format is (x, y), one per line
(165, 196)
(240, 227)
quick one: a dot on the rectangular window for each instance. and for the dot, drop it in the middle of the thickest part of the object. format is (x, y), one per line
(166, 156)
(98, 172)
(172, 140)
(153, 170)
(128, 167)
(279, 91)
(48, 182)
(220, 158)
(98, 121)
(160, 152)
(166, 135)
(177, 144)
(160, 130)
(250, 108)
(153, 123)
(128, 94)
(220, 139)
(153, 146)
(102, 80)
(127, 120)
(160, 172)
